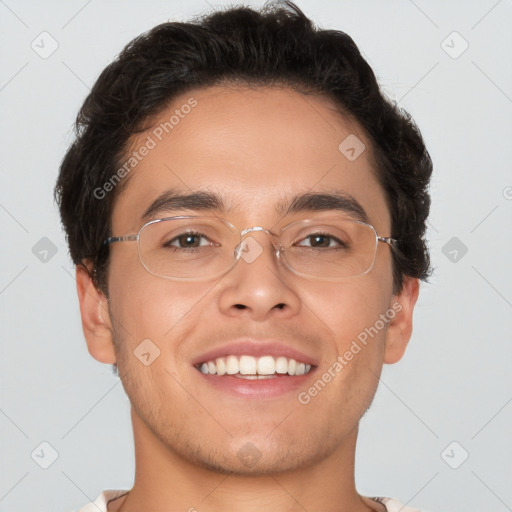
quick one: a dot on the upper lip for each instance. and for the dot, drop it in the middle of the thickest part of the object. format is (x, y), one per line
(255, 348)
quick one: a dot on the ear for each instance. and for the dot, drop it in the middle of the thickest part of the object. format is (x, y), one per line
(400, 326)
(96, 322)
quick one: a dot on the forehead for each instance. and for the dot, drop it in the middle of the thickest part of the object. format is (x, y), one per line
(253, 147)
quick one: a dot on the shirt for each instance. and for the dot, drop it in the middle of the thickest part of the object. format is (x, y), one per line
(100, 505)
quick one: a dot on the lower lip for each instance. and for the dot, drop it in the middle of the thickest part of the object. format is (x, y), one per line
(258, 388)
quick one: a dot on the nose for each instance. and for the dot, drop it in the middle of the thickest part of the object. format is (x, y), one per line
(258, 287)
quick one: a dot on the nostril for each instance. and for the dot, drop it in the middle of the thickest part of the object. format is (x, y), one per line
(240, 306)
(281, 305)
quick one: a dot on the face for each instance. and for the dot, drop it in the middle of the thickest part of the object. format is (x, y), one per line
(256, 150)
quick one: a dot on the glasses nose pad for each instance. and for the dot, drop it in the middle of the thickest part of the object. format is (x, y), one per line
(277, 249)
(238, 250)
(249, 249)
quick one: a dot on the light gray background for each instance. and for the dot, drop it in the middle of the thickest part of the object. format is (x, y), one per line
(454, 383)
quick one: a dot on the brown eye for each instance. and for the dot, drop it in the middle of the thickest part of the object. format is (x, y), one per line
(321, 241)
(188, 241)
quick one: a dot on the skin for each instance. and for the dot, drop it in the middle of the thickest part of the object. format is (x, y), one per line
(254, 147)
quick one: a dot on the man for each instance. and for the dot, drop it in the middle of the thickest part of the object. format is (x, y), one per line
(247, 216)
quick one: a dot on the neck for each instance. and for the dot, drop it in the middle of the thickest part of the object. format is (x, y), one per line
(166, 481)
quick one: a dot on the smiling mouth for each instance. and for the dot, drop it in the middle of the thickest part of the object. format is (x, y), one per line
(254, 368)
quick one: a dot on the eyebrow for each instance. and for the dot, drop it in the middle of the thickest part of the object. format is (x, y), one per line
(172, 201)
(315, 202)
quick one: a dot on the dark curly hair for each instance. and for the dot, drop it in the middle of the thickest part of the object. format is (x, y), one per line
(276, 46)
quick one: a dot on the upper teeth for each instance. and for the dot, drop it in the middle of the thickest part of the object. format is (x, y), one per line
(248, 365)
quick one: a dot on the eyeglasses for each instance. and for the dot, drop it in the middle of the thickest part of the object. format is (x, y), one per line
(192, 248)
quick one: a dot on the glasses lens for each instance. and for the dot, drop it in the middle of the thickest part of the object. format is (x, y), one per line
(329, 248)
(187, 248)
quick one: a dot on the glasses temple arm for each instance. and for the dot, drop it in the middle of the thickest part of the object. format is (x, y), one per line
(125, 238)
(387, 240)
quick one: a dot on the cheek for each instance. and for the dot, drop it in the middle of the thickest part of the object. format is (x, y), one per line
(351, 311)
(157, 312)
(144, 306)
